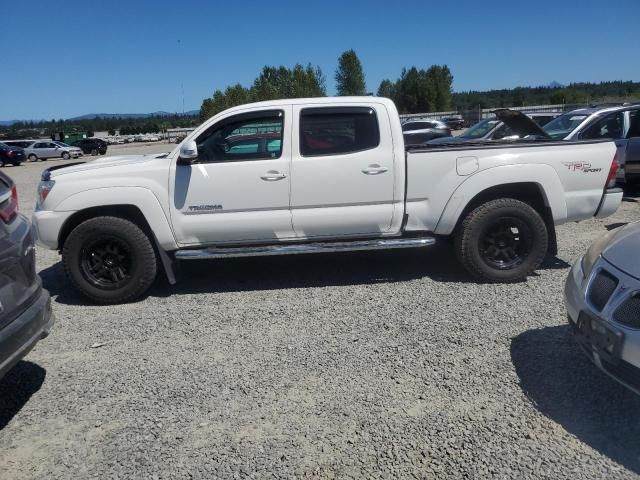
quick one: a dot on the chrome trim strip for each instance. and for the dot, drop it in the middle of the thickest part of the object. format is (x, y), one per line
(290, 249)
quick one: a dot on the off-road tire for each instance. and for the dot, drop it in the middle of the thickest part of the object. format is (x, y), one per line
(473, 230)
(143, 261)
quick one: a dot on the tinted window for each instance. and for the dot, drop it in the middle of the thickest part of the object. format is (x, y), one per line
(542, 120)
(337, 130)
(40, 145)
(253, 136)
(610, 126)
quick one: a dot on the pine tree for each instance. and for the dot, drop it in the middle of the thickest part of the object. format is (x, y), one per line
(349, 75)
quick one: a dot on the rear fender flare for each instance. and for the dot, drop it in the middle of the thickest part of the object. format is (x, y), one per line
(543, 175)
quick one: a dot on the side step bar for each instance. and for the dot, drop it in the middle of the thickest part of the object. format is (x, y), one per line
(289, 249)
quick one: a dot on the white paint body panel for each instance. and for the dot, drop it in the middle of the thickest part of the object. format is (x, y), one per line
(326, 197)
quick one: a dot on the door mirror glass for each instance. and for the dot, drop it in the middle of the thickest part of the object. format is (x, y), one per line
(188, 153)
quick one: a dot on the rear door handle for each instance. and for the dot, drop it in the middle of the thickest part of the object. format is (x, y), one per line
(374, 169)
(273, 176)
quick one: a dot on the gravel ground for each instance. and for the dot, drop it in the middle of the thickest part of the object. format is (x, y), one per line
(391, 365)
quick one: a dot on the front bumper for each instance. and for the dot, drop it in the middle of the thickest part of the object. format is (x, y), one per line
(627, 368)
(47, 225)
(20, 336)
(610, 202)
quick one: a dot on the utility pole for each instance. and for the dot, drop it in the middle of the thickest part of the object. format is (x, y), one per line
(181, 79)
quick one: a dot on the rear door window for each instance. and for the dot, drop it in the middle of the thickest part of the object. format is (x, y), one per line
(338, 130)
(609, 126)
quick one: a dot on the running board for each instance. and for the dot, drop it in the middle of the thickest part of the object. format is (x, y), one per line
(290, 249)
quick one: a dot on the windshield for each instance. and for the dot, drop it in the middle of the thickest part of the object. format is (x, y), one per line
(479, 130)
(4, 145)
(562, 126)
(60, 144)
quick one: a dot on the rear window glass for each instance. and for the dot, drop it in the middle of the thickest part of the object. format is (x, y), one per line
(337, 130)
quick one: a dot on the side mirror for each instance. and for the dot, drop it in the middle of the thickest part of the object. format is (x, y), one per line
(188, 153)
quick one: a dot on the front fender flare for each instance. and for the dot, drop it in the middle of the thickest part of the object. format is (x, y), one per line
(140, 197)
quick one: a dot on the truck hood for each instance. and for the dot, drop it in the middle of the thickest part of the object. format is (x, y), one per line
(622, 249)
(520, 123)
(101, 163)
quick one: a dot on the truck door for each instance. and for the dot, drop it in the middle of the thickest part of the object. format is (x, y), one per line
(238, 190)
(342, 171)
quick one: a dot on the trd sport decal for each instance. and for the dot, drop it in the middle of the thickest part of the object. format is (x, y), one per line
(581, 167)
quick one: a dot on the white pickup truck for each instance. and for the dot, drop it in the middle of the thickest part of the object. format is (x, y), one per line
(316, 175)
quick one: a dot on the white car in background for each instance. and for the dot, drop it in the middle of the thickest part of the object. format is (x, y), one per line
(42, 150)
(595, 123)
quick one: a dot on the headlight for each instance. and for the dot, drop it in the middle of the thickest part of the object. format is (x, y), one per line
(44, 187)
(595, 250)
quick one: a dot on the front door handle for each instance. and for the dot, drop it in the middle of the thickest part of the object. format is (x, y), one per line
(374, 169)
(273, 176)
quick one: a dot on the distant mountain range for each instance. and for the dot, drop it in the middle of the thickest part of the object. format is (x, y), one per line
(91, 116)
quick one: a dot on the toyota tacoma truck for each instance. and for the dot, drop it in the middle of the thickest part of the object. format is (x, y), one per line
(316, 175)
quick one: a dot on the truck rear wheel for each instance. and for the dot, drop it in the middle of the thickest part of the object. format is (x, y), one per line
(110, 260)
(502, 240)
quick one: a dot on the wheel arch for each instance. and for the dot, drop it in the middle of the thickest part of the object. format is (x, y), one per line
(538, 187)
(128, 212)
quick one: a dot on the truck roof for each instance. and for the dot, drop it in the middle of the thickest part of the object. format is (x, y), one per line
(315, 101)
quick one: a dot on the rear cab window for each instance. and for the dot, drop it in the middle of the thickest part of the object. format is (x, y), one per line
(338, 130)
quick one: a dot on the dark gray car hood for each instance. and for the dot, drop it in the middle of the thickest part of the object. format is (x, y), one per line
(520, 123)
(622, 250)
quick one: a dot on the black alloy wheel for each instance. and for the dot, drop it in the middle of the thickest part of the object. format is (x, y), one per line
(106, 263)
(506, 243)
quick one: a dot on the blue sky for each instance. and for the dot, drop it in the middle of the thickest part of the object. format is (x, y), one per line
(65, 58)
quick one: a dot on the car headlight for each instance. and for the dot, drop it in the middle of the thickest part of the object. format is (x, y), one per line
(594, 251)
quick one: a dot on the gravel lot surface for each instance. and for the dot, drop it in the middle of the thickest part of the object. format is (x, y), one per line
(389, 364)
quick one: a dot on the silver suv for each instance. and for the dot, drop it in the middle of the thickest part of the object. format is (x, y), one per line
(42, 150)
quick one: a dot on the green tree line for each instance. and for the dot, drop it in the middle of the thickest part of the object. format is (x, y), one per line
(272, 83)
(126, 126)
(575, 93)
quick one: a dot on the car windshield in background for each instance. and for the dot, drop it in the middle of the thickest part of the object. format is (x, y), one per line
(61, 144)
(479, 130)
(564, 125)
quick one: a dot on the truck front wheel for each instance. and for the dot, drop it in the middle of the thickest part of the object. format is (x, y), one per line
(109, 259)
(502, 240)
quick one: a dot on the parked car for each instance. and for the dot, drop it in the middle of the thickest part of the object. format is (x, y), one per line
(417, 132)
(495, 128)
(13, 155)
(630, 153)
(25, 307)
(615, 122)
(602, 296)
(605, 121)
(42, 150)
(454, 122)
(315, 175)
(91, 146)
(19, 143)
